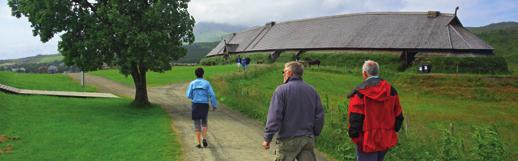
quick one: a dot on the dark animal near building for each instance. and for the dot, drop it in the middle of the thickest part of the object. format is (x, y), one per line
(314, 62)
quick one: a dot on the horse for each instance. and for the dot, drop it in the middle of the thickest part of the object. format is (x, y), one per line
(314, 62)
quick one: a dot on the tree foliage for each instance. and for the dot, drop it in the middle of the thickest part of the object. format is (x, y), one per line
(136, 36)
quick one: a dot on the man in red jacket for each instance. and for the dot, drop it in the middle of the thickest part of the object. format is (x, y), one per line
(375, 115)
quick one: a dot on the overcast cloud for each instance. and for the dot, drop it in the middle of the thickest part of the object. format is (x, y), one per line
(17, 41)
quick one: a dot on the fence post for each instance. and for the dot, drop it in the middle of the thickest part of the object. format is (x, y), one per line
(82, 79)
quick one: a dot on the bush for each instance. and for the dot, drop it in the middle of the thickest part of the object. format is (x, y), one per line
(488, 145)
(450, 145)
(481, 64)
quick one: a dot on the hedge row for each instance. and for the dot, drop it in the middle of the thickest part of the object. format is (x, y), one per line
(388, 61)
(354, 60)
(482, 64)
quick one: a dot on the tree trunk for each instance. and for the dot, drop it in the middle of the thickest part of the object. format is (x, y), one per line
(138, 72)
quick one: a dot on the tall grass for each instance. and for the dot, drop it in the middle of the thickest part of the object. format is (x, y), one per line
(425, 106)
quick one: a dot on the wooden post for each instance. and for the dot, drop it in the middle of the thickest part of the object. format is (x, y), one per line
(82, 79)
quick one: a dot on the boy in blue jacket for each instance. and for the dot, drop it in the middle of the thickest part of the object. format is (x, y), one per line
(200, 92)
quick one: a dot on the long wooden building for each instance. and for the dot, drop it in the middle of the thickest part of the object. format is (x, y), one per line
(410, 33)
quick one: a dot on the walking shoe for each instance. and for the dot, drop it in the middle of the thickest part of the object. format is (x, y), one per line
(199, 146)
(205, 143)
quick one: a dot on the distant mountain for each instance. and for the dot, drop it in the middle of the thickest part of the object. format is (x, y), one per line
(197, 51)
(504, 38)
(211, 32)
(494, 26)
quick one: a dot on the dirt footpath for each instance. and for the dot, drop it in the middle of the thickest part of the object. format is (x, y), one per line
(231, 136)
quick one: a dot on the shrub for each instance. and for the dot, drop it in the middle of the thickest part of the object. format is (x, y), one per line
(450, 145)
(488, 145)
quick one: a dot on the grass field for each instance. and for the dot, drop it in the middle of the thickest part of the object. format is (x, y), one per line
(428, 109)
(431, 103)
(58, 128)
(56, 82)
(178, 74)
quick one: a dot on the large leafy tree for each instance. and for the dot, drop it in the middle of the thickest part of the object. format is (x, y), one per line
(136, 35)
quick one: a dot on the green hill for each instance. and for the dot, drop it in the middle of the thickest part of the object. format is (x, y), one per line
(504, 38)
(197, 51)
(38, 59)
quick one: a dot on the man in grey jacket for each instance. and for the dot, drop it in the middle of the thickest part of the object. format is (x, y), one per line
(296, 114)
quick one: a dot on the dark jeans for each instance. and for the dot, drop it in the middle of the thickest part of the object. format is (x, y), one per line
(375, 156)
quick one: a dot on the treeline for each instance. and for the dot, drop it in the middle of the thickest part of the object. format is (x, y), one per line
(51, 67)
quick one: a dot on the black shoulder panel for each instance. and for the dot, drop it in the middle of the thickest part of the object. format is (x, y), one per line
(393, 91)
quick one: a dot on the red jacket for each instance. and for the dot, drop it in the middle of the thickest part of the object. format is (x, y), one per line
(375, 115)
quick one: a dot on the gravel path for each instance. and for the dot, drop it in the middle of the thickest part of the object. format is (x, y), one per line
(231, 136)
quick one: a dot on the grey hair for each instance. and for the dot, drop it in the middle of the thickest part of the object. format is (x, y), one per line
(295, 67)
(371, 67)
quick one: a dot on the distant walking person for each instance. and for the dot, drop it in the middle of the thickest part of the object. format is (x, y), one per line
(200, 92)
(296, 114)
(245, 62)
(238, 60)
(375, 115)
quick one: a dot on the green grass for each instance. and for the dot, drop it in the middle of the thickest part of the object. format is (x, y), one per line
(178, 74)
(430, 103)
(426, 110)
(60, 128)
(57, 82)
(56, 128)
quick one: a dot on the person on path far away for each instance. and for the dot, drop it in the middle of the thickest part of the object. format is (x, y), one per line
(200, 92)
(375, 115)
(296, 115)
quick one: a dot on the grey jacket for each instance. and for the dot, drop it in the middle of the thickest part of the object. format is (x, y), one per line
(295, 110)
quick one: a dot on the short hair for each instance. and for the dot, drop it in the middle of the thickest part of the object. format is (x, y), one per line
(199, 72)
(295, 67)
(371, 67)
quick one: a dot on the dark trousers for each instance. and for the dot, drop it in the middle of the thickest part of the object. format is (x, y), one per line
(375, 156)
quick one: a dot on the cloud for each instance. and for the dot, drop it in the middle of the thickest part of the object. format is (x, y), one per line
(253, 12)
(17, 40)
(5, 13)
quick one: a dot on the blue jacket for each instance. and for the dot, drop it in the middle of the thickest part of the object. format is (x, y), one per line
(200, 91)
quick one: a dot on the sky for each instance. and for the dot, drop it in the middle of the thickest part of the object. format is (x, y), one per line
(17, 40)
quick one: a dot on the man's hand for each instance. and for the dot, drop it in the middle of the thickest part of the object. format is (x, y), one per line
(266, 145)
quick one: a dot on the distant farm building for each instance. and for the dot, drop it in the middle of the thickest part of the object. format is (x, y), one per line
(408, 33)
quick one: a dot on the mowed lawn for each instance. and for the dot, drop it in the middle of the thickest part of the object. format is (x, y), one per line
(59, 128)
(178, 74)
(56, 82)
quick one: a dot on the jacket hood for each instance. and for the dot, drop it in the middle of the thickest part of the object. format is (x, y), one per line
(375, 89)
